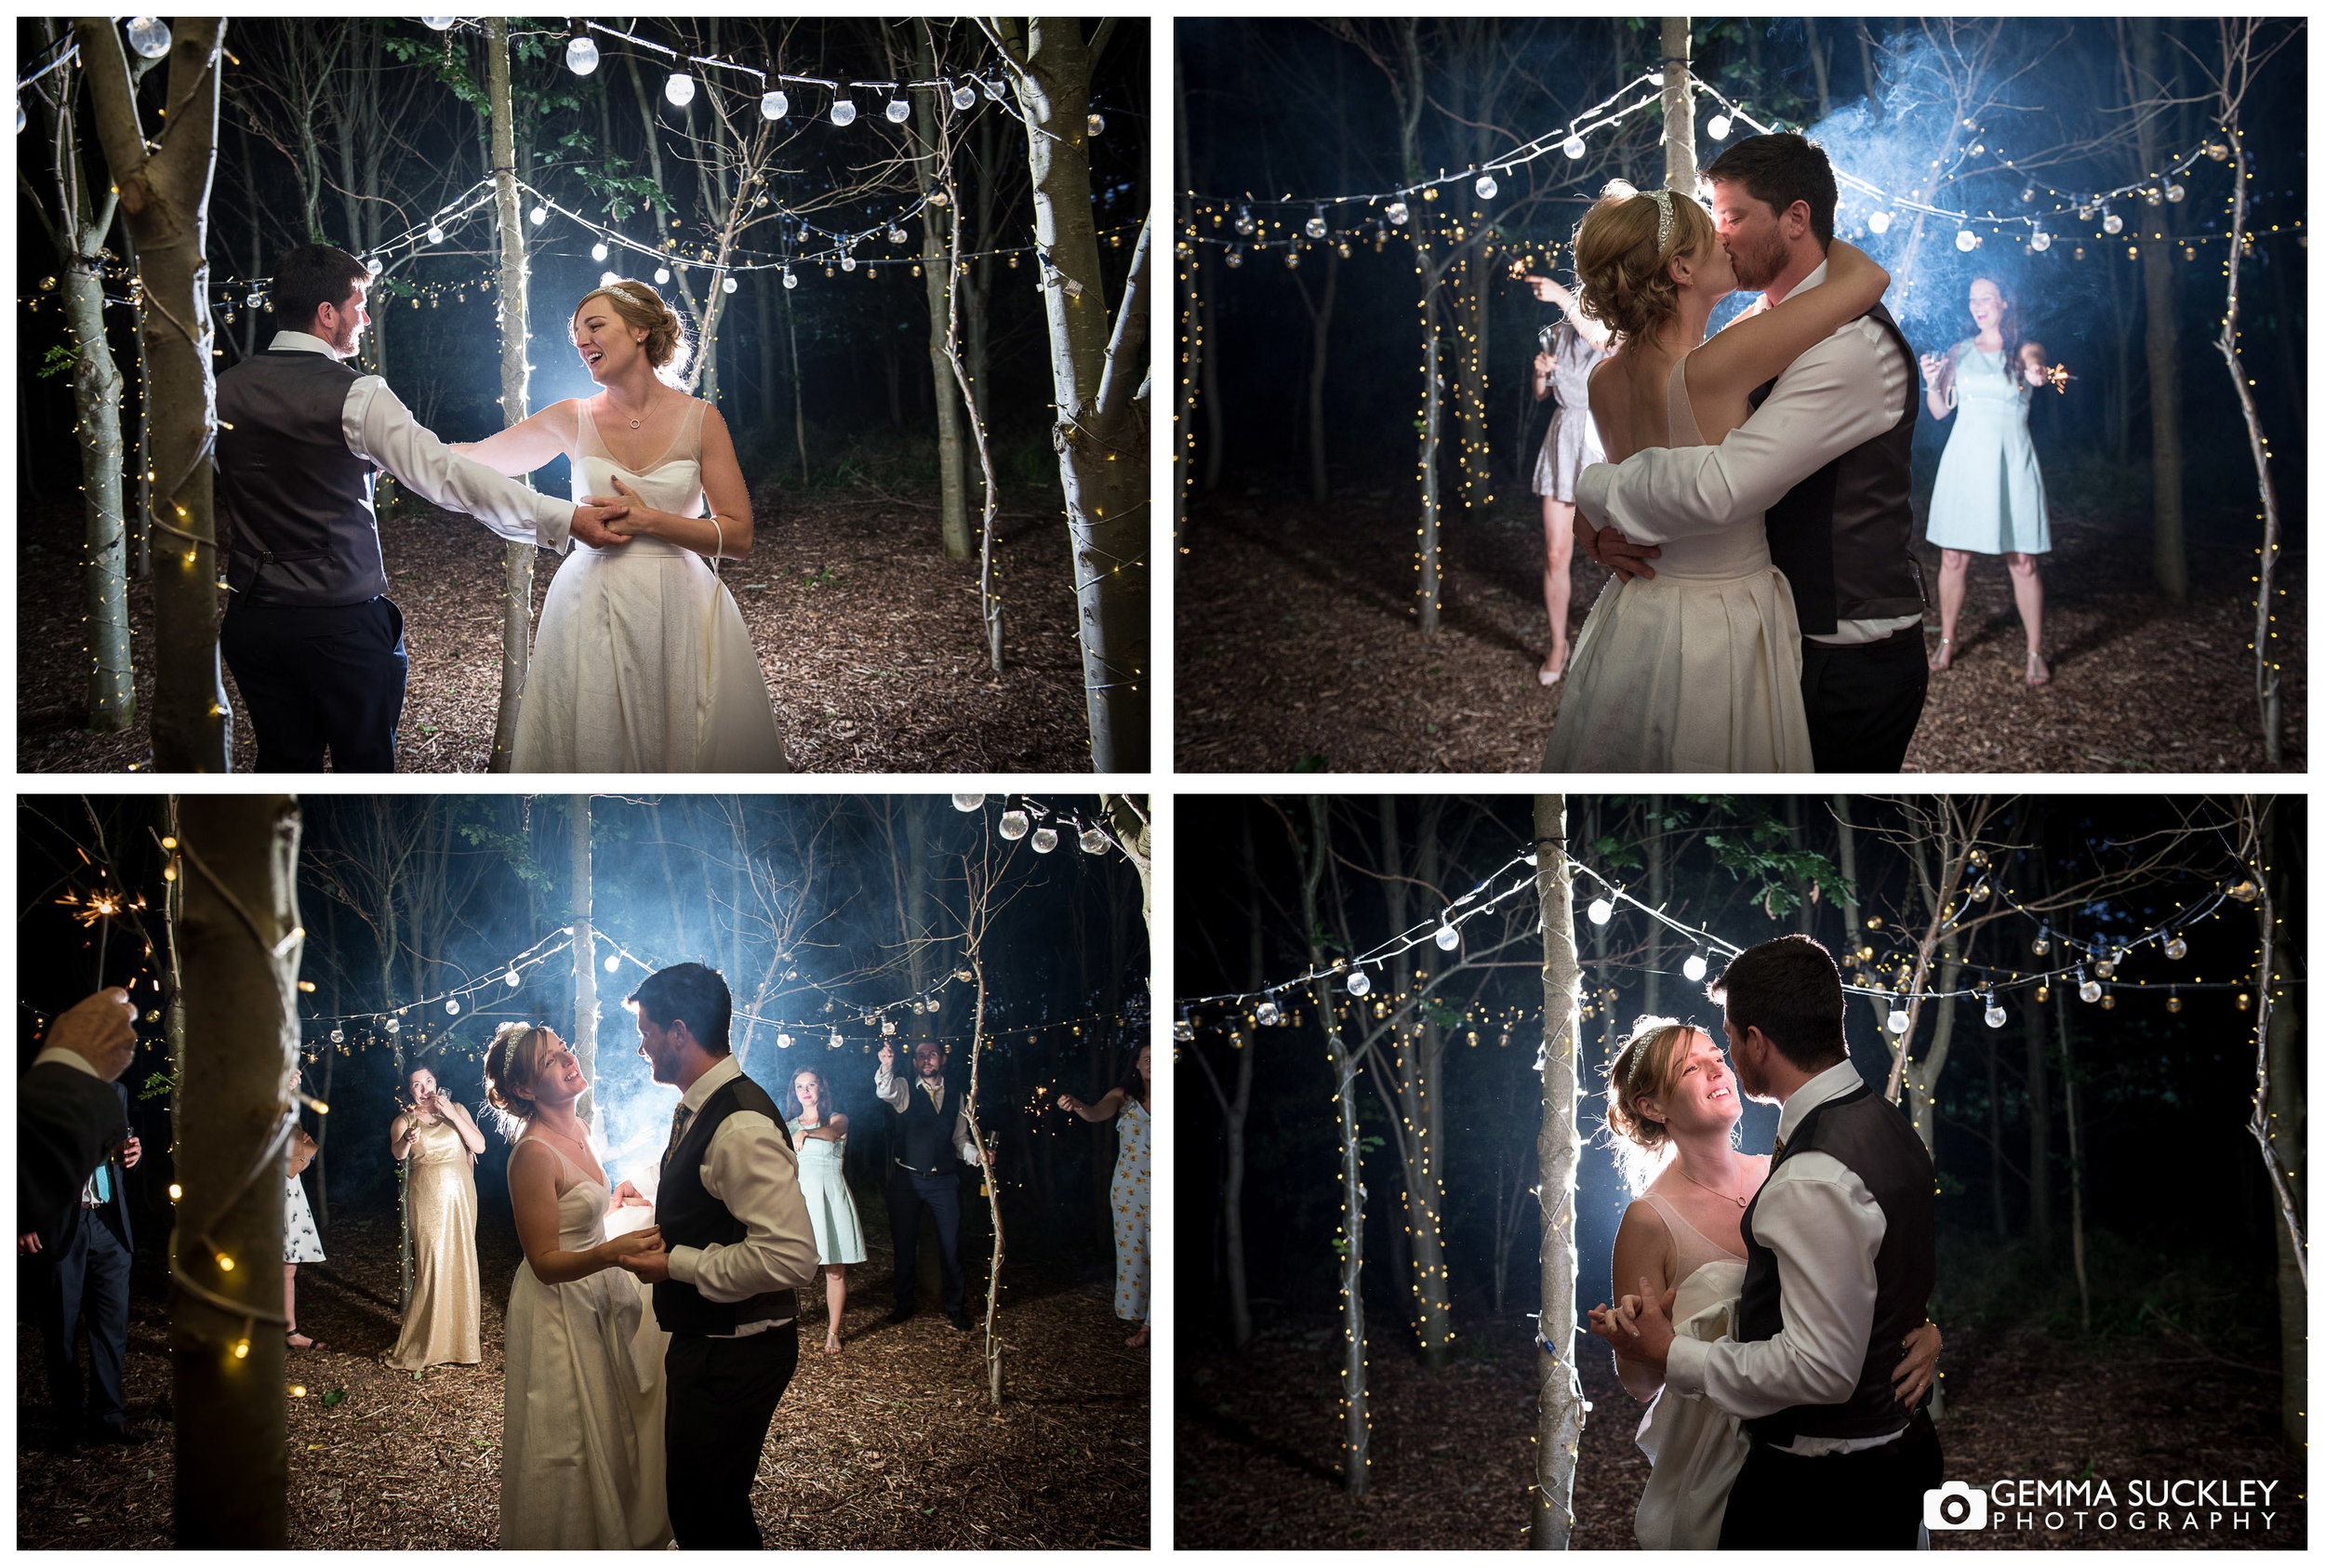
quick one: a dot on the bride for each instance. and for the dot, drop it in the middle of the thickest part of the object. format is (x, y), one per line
(1672, 1109)
(581, 1457)
(1694, 665)
(642, 663)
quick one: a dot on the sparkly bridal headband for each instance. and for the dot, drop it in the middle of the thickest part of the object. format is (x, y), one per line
(620, 293)
(1662, 200)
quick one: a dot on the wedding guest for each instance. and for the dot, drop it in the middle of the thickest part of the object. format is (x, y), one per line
(1131, 1192)
(443, 1321)
(1989, 496)
(581, 1440)
(1576, 345)
(819, 1133)
(83, 1278)
(67, 1117)
(922, 1172)
(302, 1241)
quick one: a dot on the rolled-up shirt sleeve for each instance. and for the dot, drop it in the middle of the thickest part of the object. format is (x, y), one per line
(890, 1091)
(1840, 393)
(1825, 1231)
(381, 430)
(754, 1172)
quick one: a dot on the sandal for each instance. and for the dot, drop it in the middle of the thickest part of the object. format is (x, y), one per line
(291, 1338)
(1944, 658)
(2037, 673)
(1137, 1339)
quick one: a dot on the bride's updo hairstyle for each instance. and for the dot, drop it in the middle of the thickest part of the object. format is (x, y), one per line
(639, 306)
(1626, 278)
(511, 1063)
(1647, 1065)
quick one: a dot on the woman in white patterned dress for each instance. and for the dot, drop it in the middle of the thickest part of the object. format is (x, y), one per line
(302, 1241)
(1132, 1192)
(641, 663)
(819, 1134)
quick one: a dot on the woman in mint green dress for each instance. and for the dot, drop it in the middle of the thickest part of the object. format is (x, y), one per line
(1988, 495)
(819, 1134)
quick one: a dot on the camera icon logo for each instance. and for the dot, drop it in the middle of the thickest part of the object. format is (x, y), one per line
(1955, 1505)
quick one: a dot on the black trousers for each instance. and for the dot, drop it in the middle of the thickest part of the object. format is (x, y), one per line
(88, 1277)
(1864, 701)
(1866, 1501)
(907, 1192)
(721, 1398)
(317, 680)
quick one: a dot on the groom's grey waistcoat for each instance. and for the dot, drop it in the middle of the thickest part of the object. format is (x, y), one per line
(1876, 1140)
(1843, 536)
(689, 1216)
(296, 503)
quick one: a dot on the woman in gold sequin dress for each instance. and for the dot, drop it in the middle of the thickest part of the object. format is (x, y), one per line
(442, 1321)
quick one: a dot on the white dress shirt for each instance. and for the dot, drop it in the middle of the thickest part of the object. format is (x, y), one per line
(750, 1168)
(1821, 1223)
(379, 429)
(1839, 395)
(894, 1093)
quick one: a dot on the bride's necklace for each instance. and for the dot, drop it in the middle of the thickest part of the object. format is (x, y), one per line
(1741, 1204)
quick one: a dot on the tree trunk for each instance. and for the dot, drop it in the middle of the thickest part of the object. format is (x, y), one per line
(2287, 1138)
(584, 960)
(2074, 1153)
(165, 206)
(1658, 894)
(2267, 674)
(1100, 432)
(1817, 59)
(238, 935)
(986, 1187)
(799, 386)
(1559, 1438)
(1319, 320)
(1994, 1134)
(936, 271)
(1355, 1423)
(517, 564)
(112, 695)
(1419, 1080)
(1846, 848)
(1679, 106)
(2154, 233)
(2038, 1123)
(1432, 416)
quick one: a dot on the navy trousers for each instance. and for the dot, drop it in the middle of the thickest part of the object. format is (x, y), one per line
(88, 1277)
(907, 1192)
(319, 680)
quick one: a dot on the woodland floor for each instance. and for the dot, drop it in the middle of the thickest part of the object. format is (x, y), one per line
(1256, 1456)
(869, 638)
(890, 1444)
(1296, 650)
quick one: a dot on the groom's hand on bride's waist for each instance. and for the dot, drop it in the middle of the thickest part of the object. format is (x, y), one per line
(590, 526)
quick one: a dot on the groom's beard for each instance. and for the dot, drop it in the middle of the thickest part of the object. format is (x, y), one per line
(1756, 269)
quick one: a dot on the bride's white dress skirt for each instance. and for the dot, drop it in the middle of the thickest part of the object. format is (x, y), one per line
(1695, 1447)
(642, 663)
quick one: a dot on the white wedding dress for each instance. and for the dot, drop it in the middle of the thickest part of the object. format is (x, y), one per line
(1695, 1448)
(642, 663)
(1696, 670)
(581, 1465)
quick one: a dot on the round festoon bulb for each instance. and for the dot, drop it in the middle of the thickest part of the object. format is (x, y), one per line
(897, 234)
(581, 55)
(1045, 839)
(782, 1042)
(597, 251)
(613, 962)
(452, 1005)
(661, 274)
(2043, 942)
(1573, 146)
(1314, 228)
(1448, 936)
(150, 36)
(1360, 983)
(727, 285)
(2174, 945)
(439, 24)
(2088, 989)
(1695, 968)
(1600, 911)
(1184, 1029)
(1015, 824)
(963, 97)
(512, 979)
(1717, 126)
(1879, 221)
(774, 103)
(1097, 123)
(339, 1037)
(396, 1026)
(843, 111)
(1092, 841)
(1995, 1016)
(1488, 187)
(678, 90)
(898, 111)
(2111, 223)
(538, 215)
(1964, 239)
(2040, 239)
(1398, 213)
(967, 801)
(789, 280)
(435, 234)
(1269, 1014)
(2176, 191)
(1898, 1019)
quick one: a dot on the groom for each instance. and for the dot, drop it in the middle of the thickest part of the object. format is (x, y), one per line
(1840, 1254)
(736, 1246)
(316, 644)
(1827, 455)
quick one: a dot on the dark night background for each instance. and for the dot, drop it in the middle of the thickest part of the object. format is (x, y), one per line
(2182, 1270)
(1299, 576)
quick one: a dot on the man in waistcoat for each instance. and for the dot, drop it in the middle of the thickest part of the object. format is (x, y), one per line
(932, 1127)
(316, 644)
(736, 1246)
(1827, 455)
(1840, 1252)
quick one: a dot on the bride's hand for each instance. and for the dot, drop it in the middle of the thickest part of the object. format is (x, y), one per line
(617, 1247)
(1918, 1370)
(636, 516)
(592, 519)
